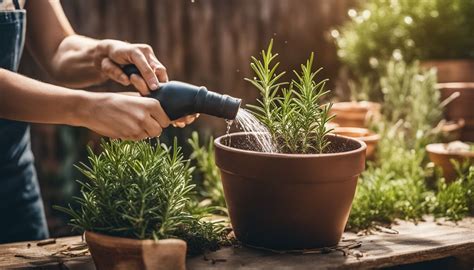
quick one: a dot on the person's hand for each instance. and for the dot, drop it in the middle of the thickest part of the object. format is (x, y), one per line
(186, 120)
(111, 54)
(124, 117)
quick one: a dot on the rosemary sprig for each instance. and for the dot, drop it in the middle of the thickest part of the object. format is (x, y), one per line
(211, 186)
(294, 116)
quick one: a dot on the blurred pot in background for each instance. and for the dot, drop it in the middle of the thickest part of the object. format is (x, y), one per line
(370, 138)
(355, 113)
(461, 107)
(452, 70)
(442, 154)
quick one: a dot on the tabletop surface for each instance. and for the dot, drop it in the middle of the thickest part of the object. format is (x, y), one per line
(404, 243)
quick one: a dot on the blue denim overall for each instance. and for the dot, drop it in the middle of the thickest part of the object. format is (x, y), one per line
(21, 209)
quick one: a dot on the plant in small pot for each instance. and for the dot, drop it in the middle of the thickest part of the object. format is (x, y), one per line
(443, 155)
(297, 195)
(412, 101)
(360, 111)
(136, 208)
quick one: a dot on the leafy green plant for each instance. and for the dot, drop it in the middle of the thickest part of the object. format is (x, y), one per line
(411, 95)
(393, 188)
(211, 179)
(363, 90)
(456, 200)
(135, 190)
(293, 115)
(424, 29)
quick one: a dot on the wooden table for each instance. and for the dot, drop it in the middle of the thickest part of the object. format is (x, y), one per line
(406, 243)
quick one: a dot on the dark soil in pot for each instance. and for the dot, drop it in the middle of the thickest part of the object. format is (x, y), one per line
(289, 201)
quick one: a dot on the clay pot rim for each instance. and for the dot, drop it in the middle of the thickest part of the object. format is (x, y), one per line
(218, 144)
(355, 105)
(455, 85)
(439, 149)
(370, 137)
(124, 241)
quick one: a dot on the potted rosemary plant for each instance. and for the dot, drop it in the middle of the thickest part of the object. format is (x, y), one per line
(136, 208)
(300, 194)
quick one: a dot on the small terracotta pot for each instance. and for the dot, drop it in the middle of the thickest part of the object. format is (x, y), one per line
(117, 253)
(289, 201)
(442, 158)
(355, 114)
(369, 137)
(462, 107)
(452, 70)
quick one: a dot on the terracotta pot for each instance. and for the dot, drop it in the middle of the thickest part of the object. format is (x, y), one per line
(462, 107)
(289, 201)
(452, 70)
(355, 114)
(369, 137)
(441, 157)
(116, 253)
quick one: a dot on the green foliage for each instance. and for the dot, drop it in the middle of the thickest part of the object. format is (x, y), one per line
(293, 115)
(423, 29)
(456, 200)
(395, 185)
(135, 190)
(364, 90)
(211, 179)
(410, 95)
(393, 188)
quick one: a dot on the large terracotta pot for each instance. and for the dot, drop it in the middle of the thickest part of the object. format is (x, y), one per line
(370, 138)
(355, 114)
(453, 70)
(441, 157)
(289, 201)
(116, 253)
(462, 107)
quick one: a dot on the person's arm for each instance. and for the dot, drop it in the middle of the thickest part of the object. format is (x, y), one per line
(109, 114)
(77, 61)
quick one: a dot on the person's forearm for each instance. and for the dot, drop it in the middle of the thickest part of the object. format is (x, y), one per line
(25, 99)
(73, 62)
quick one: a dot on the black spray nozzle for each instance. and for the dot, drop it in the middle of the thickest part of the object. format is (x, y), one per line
(179, 99)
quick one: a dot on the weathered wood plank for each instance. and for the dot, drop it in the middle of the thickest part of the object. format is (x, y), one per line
(414, 243)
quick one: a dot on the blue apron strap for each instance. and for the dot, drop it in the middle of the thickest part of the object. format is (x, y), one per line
(16, 4)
